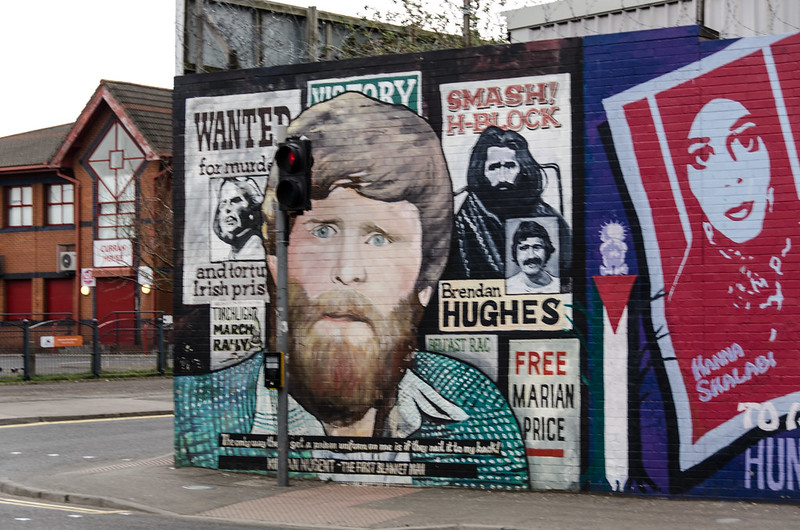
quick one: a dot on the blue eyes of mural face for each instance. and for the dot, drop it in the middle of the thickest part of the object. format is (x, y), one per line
(323, 231)
(376, 239)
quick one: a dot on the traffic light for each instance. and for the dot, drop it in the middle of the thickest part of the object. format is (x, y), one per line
(294, 174)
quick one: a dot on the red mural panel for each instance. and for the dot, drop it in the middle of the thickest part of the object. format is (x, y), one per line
(711, 147)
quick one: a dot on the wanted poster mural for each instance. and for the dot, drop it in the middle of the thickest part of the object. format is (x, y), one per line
(230, 144)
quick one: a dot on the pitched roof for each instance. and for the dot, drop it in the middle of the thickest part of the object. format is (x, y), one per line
(146, 110)
(33, 148)
(150, 110)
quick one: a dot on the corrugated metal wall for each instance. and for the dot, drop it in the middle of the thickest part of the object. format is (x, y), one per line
(578, 18)
(744, 18)
(213, 36)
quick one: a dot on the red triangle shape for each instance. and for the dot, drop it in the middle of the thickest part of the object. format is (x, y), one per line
(615, 291)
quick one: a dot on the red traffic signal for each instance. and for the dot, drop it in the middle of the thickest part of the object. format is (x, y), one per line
(291, 156)
(294, 176)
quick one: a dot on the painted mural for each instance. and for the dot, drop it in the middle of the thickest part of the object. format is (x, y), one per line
(714, 174)
(559, 265)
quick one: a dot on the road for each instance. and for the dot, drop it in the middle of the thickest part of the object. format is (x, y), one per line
(34, 448)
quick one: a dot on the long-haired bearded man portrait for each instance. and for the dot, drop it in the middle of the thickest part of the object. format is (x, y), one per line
(363, 264)
(504, 182)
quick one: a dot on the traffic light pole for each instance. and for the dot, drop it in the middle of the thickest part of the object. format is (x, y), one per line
(282, 327)
(293, 161)
(282, 332)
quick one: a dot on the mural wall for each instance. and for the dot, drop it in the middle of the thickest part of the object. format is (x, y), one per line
(556, 265)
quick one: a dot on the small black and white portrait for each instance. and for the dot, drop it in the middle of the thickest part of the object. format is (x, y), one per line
(238, 219)
(532, 257)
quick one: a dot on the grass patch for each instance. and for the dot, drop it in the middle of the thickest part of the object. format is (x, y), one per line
(105, 374)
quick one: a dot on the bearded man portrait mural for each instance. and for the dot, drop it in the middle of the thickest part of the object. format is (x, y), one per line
(363, 265)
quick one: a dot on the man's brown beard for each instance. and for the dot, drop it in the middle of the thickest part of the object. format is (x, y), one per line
(336, 378)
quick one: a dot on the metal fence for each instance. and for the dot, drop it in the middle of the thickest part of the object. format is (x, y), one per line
(124, 341)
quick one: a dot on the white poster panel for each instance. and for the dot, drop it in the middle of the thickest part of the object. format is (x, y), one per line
(237, 330)
(230, 144)
(484, 305)
(113, 253)
(87, 278)
(544, 392)
(538, 108)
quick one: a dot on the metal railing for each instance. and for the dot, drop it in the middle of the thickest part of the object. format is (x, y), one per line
(37, 344)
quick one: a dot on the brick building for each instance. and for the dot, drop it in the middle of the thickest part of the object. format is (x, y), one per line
(86, 211)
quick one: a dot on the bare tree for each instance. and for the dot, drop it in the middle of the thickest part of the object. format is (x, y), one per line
(414, 26)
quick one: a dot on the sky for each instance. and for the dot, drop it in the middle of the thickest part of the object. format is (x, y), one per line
(56, 52)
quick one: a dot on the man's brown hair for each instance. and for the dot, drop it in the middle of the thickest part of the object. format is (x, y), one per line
(383, 152)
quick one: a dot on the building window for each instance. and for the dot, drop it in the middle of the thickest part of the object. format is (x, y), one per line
(60, 204)
(20, 206)
(115, 161)
(115, 218)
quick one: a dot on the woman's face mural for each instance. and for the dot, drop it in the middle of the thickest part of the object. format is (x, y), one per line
(729, 169)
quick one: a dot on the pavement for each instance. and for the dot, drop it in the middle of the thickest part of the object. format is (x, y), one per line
(154, 485)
